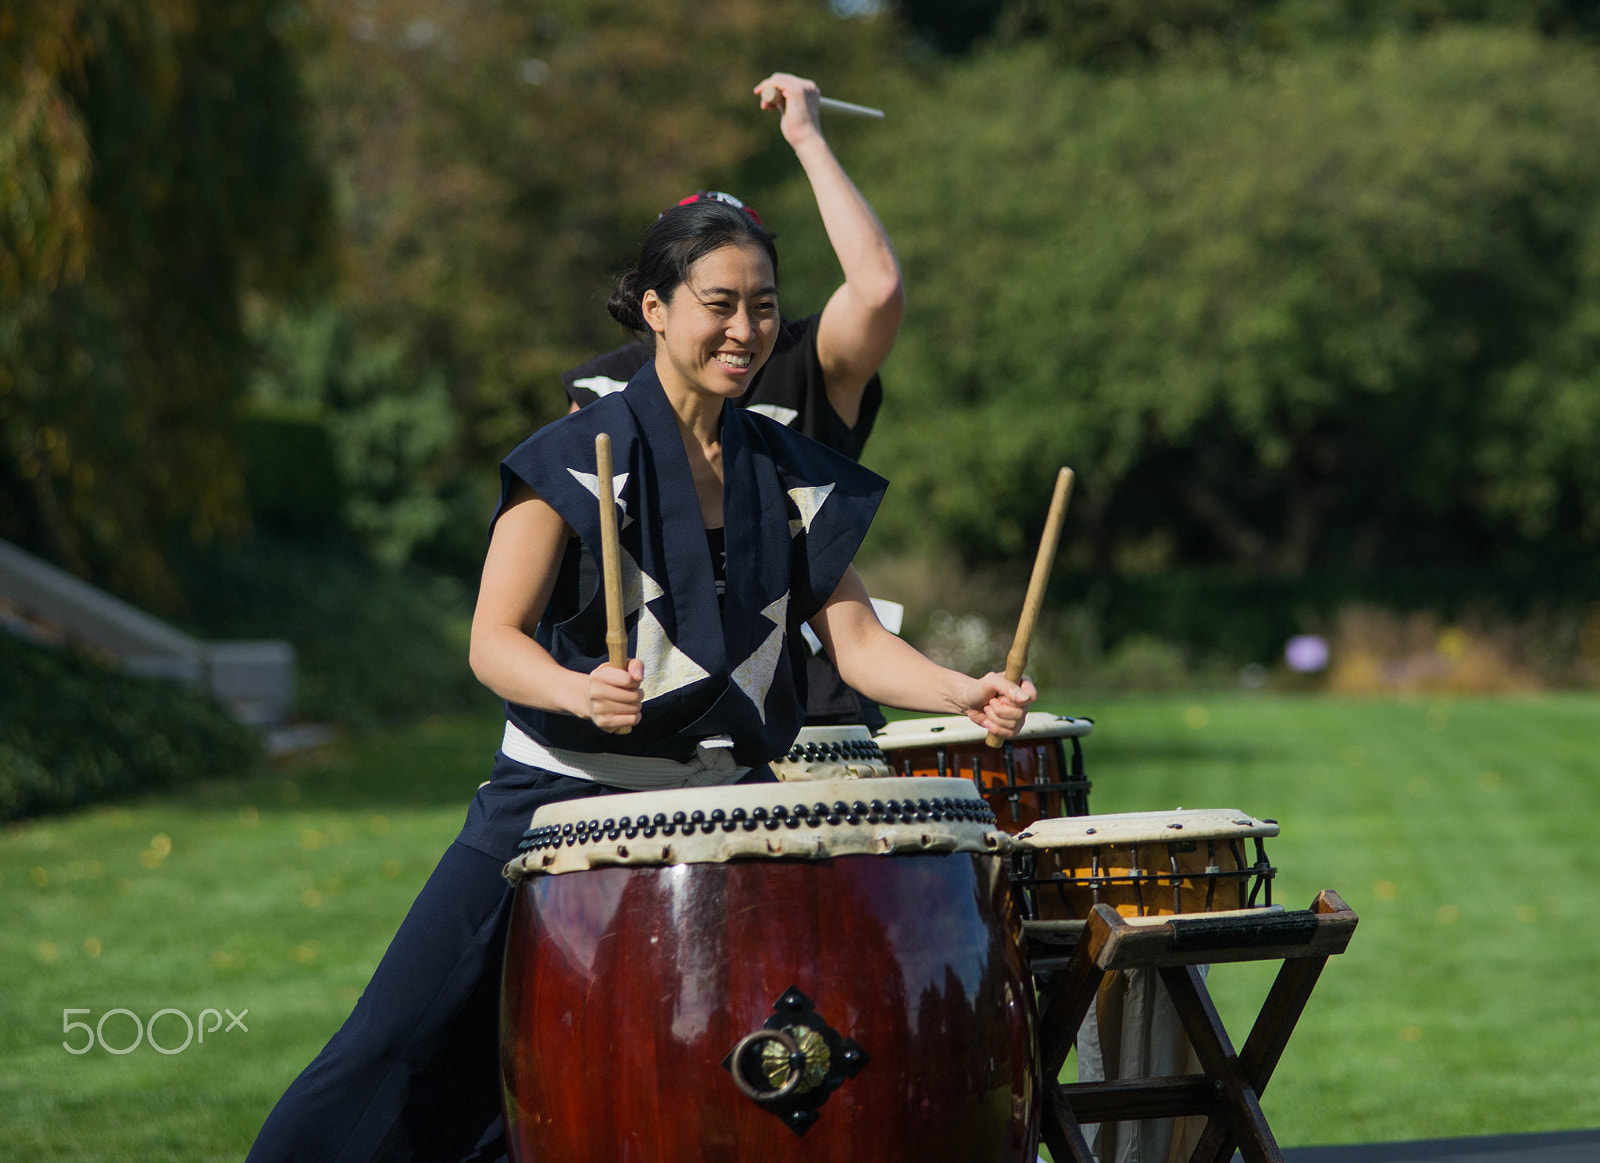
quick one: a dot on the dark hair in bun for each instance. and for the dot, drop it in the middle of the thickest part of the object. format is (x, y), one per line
(680, 238)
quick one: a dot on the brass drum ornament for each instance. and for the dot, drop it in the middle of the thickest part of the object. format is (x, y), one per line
(781, 1068)
(829, 970)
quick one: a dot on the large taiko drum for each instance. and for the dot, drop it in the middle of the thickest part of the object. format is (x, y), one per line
(785, 972)
(1027, 778)
(1145, 864)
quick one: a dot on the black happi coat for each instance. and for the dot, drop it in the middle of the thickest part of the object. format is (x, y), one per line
(794, 513)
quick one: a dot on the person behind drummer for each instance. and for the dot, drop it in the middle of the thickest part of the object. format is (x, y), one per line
(734, 531)
(822, 377)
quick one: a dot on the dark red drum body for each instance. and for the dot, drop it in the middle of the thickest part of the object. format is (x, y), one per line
(812, 991)
(1028, 778)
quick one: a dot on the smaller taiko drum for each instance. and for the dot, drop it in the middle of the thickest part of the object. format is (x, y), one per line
(1144, 864)
(1029, 777)
(844, 752)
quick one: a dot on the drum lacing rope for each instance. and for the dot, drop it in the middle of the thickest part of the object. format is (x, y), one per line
(595, 831)
(839, 752)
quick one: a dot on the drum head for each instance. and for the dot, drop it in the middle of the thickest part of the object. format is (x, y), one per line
(817, 820)
(955, 730)
(1144, 828)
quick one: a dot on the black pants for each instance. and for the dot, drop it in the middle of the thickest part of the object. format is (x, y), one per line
(414, 1072)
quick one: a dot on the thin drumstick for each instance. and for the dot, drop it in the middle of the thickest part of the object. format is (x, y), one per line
(611, 560)
(1018, 658)
(850, 109)
(832, 105)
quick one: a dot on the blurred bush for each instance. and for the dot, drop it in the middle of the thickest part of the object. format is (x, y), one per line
(1437, 630)
(374, 644)
(1376, 651)
(73, 731)
(291, 480)
(377, 437)
(1337, 310)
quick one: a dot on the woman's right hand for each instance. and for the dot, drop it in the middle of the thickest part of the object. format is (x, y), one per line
(797, 97)
(615, 700)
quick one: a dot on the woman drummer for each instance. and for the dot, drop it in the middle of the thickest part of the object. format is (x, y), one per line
(734, 532)
(822, 376)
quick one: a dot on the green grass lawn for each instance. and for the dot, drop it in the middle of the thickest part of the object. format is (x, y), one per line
(1459, 830)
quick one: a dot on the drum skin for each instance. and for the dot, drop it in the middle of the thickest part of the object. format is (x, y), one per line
(627, 987)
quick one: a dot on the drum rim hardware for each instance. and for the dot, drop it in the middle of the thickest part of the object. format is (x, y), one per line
(820, 1060)
(763, 821)
(830, 753)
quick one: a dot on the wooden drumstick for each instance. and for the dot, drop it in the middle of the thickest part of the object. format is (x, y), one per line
(770, 95)
(1018, 658)
(611, 560)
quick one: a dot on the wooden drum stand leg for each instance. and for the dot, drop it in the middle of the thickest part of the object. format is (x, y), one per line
(1228, 1093)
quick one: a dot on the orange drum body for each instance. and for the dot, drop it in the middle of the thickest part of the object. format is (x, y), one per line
(1028, 778)
(827, 971)
(1146, 864)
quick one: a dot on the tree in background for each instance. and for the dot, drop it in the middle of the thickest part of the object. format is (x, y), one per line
(494, 164)
(1335, 312)
(1110, 35)
(1295, 284)
(155, 171)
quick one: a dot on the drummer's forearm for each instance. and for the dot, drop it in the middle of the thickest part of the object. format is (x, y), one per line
(881, 666)
(891, 671)
(519, 670)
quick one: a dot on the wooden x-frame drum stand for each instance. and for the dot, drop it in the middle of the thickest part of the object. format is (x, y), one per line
(1228, 1092)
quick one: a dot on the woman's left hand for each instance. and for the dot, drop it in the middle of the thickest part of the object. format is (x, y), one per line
(798, 98)
(999, 705)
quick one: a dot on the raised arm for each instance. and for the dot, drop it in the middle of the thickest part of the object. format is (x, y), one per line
(889, 670)
(519, 574)
(862, 318)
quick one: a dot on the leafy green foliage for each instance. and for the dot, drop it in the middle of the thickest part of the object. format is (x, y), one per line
(391, 437)
(1338, 314)
(161, 173)
(496, 165)
(73, 732)
(373, 645)
(1109, 35)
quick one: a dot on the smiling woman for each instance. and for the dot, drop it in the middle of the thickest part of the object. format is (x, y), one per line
(730, 314)
(706, 292)
(722, 328)
(735, 532)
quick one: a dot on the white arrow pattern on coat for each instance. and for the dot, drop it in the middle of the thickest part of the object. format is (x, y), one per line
(808, 499)
(619, 481)
(753, 676)
(666, 668)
